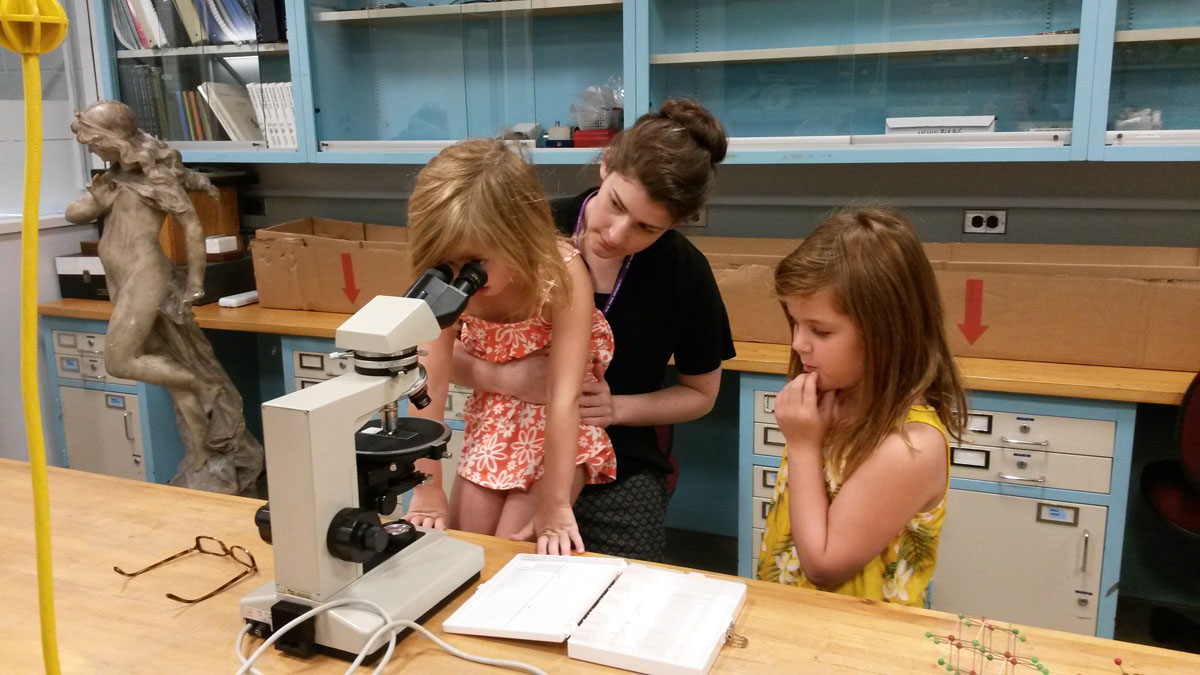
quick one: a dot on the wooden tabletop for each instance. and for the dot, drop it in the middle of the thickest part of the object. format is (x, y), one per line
(108, 623)
(1024, 377)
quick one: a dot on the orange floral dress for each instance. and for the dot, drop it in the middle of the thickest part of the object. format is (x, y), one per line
(502, 446)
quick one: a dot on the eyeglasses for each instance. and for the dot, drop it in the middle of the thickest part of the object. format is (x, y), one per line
(207, 546)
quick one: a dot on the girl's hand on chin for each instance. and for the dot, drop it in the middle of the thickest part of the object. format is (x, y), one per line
(803, 413)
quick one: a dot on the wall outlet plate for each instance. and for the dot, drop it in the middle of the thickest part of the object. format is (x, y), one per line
(984, 222)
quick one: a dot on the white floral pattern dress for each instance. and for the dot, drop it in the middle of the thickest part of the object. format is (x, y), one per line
(503, 441)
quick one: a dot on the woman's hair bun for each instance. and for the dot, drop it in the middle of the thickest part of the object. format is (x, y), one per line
(703, 127)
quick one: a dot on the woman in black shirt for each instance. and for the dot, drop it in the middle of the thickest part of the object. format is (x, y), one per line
(658, 294)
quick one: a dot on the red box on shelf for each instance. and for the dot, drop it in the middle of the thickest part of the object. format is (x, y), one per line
(593, 138)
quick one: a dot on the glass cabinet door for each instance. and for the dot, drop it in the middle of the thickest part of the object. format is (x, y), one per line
(895, 80)
(209, 76)
(1154, 91)
(397, 81)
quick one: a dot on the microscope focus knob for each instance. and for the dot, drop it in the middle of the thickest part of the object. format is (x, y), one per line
(262, 518)
(356, 535)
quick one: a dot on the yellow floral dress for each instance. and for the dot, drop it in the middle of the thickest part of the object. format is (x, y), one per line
(900, 574)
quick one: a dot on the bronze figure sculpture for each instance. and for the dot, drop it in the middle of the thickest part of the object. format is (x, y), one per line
(152, 335)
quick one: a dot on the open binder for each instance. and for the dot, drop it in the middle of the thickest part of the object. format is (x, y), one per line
(632, 616)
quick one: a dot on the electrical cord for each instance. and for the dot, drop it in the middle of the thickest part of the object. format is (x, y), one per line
(389, 627)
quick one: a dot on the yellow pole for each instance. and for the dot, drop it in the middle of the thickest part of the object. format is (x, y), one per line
(31, 28)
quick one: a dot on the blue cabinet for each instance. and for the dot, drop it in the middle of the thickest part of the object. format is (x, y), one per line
(1036, 512)
(105, 424)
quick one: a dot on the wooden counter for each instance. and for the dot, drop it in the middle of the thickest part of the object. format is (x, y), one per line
(1024, 377)
(108, 623)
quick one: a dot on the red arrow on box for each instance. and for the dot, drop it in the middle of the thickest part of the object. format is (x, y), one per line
(348, 274)
(972, 326)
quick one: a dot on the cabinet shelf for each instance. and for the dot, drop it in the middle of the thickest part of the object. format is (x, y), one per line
(482, 10)
(1158, 34)
(257, 49)
(835, 51)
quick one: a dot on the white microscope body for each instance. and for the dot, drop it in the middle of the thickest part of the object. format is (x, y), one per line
(313, 477)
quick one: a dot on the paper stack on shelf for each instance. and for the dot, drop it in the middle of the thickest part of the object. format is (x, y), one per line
(272, 103)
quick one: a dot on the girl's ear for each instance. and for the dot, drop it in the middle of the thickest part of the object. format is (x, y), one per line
(604, 166)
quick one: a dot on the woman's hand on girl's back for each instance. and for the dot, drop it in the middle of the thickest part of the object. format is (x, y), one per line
(803, 413)
(428, 507)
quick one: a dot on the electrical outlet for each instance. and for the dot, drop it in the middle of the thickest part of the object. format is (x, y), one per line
(984, 222)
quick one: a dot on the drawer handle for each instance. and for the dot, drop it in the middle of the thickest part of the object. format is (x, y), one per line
(1021, 478)
(1087, 540)
(92, 351)
(767, 437)
(1017, 441)
(94, 377)
(128, 426)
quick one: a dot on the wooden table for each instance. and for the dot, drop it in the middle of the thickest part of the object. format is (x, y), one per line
(1023, 377)
(107, 623)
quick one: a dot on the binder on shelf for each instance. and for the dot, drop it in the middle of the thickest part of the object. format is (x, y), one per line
(123, 27)
(632, 616)
(174, 33)
(192, 23)
(271, 20)
(143, 12)
(233, 109)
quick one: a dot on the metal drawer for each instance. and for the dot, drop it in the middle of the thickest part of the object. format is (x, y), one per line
(764, 481)
(86, 368)
(768, 440)
(1041, 432)
(756, 538)
(1036, 468)
(306, 382)
(320, 365)
(758, 518)
(74, 342)
(764, 406)
(456, 398)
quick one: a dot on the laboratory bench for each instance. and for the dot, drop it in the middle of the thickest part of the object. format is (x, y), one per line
(106, 622)
(1048, 460)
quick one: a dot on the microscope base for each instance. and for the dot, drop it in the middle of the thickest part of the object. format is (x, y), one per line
(409, 585)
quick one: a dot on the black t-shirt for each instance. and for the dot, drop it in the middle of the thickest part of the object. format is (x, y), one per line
(668, 305)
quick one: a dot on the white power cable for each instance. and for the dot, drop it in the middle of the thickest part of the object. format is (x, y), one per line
(392, 626)
(389, 627)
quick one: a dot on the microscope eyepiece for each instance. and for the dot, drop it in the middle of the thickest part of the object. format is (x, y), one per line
(471, 278)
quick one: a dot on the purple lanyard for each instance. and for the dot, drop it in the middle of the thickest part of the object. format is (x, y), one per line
(624, 265)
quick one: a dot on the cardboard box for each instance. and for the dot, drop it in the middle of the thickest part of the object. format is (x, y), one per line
(329, 265)
(1124, 306)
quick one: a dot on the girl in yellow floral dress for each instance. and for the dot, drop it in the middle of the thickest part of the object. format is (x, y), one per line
(867, 414)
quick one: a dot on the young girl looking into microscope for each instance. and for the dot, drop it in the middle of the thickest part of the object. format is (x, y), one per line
(521, 463)
(873, 392)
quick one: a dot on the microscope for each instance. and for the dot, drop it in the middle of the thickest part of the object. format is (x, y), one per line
(332, 470)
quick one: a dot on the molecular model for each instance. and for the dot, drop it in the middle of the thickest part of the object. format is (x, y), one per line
(972, 650)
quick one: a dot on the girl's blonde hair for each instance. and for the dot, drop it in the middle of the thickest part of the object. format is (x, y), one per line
(874, 264)
(480, 193)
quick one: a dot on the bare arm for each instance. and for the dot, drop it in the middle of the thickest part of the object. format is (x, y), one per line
(690, 399)
(193, 235)
(428, 507)
(836, 540)
(554, 522)
(92, 204)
